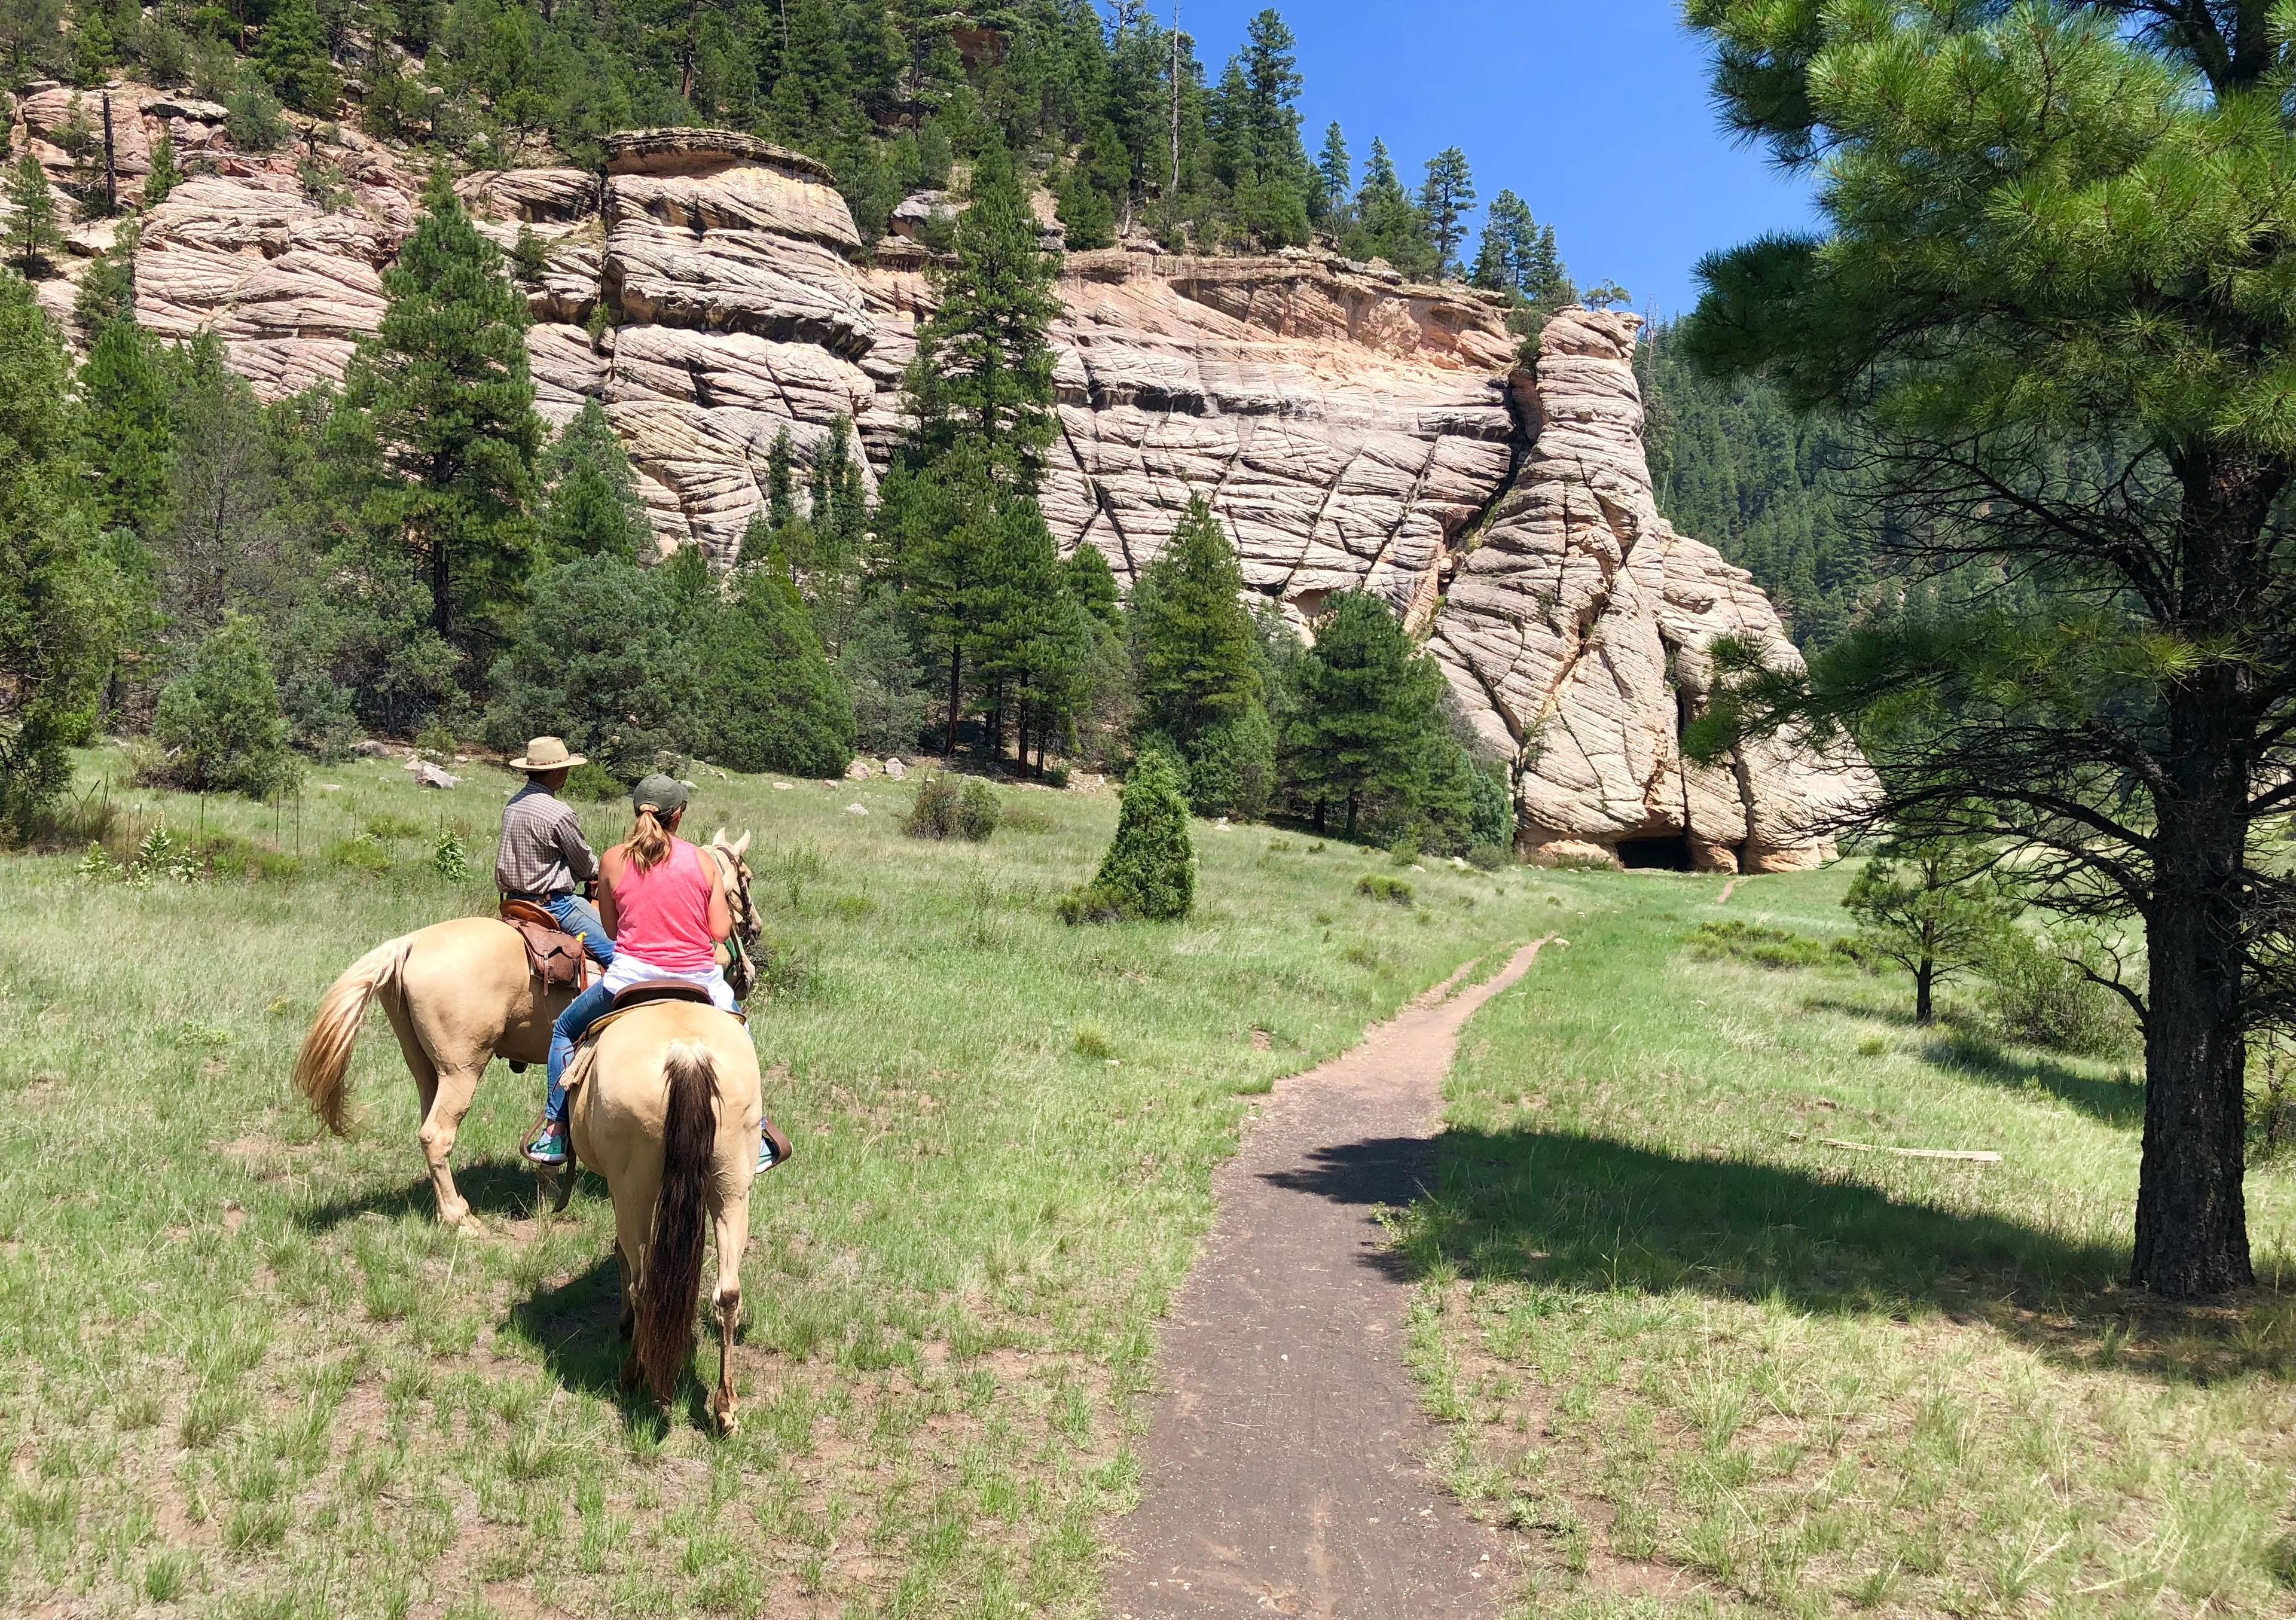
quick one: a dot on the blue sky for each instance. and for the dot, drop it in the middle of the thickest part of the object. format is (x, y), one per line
(1597, 116)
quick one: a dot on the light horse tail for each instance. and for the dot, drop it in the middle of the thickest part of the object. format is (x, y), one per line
(673, 1266)
(326, 1054)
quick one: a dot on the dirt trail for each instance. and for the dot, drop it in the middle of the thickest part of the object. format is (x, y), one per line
(1282, 1459)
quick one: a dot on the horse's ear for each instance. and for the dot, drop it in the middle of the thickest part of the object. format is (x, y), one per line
(742, 848)
(718, 838)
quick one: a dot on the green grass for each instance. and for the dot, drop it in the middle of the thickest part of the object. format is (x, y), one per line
(243, 1372)
(1711, 1366)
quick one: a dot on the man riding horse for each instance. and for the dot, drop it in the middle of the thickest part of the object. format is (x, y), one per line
(543, 855)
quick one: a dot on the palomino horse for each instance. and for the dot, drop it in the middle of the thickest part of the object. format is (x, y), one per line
(666, 1106)
(458, 995)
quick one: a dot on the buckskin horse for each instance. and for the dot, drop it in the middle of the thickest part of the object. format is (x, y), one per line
(458, 994)
(664, 1104)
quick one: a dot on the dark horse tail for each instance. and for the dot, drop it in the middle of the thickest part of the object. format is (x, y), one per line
(673, 1268)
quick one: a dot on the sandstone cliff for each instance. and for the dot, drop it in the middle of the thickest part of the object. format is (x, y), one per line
(1354, 432)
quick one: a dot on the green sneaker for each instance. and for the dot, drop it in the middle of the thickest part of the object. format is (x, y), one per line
(549, 1144)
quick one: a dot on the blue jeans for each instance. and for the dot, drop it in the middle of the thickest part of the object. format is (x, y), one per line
(565, 1035)
(579, 916)
(585, 1010)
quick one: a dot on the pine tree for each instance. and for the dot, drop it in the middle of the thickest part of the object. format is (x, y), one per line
(1444, 200)
(593, 507)
(292, 54)
(1261, 158)
(57, 595)
(1388, 224)
(34, 235)
(220, 720)
(443, 391)
(107, 287)
(1091, 583)
(1149, 872)
(1503, 263)
(769, 699)
(2127, 714)
(127, 428)
(1934, 906)
(980, 390)
(165, 176)
(1334, 177)
(983, 372)
(1366, 705)
(1192, 635)
(781, 483)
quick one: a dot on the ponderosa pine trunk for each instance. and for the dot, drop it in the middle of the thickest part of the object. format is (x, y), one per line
(1924, 991)
(955, 692)
(2191, 1213)
(2192, 1218)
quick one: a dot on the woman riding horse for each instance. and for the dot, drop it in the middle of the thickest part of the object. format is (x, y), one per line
(663, 903)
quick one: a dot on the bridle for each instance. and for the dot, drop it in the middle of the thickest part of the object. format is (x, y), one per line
(740, 973)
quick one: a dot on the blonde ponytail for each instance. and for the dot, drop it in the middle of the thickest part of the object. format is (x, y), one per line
(648, 845)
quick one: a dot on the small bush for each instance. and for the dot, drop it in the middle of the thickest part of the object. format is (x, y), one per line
(594, 782)
(1027, 818)
(1489, 857)
(2038, 996)
(933, 811)
(1403, 851)
(977, 813)
(1871, 1045)
(360, 853)
(219, 723)
(450, 858)
(1150, 869)
(1764, 947)
(1092, 1041)
(388, 826)
(437, 742)
(1394, 891)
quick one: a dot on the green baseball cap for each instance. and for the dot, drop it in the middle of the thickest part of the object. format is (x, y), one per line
(663, 795)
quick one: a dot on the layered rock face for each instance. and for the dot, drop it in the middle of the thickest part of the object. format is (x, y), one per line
(1577, 636)
(1353, 433)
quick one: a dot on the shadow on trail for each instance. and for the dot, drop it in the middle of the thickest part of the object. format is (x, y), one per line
(502, 1187)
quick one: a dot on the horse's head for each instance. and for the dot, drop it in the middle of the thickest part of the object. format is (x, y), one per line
(733, 860)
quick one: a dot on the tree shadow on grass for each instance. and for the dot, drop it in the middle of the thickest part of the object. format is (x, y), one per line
(2116, 1103)
(502, 1188)
(1594, 1216)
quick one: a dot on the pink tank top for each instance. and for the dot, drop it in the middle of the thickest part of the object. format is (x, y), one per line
(662, 916)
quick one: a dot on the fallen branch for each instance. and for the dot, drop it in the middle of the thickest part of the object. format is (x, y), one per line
(1973, 1155)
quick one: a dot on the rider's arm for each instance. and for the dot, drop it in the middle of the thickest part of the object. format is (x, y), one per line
(574, 850)
(610, 867)
(721, 914)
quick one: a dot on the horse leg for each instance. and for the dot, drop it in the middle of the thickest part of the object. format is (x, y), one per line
(629, 1324)
(733, 1238)
(440, 1123)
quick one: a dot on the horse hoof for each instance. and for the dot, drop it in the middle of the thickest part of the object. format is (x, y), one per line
(457, 1213)
(727, 1419)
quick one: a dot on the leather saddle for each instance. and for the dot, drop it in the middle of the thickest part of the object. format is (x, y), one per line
(554, 955)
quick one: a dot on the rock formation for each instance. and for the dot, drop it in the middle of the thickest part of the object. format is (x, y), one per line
(1353, 432)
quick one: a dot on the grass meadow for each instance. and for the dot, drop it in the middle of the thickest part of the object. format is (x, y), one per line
(244, 1373)
(1711, 1366)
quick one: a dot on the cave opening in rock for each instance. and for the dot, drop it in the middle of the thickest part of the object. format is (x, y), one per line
(1655, 854)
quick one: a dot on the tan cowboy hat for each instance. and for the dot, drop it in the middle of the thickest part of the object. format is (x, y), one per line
(546, 753)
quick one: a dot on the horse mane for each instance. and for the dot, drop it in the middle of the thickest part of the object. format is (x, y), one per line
(672, 1278)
